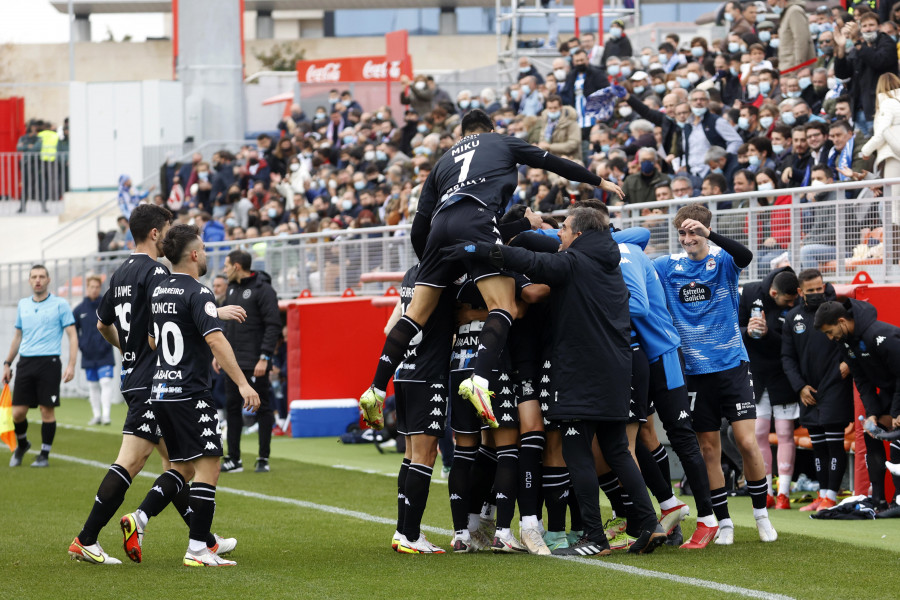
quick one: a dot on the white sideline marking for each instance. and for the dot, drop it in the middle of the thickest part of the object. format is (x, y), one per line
(374, 472)
(693, 581)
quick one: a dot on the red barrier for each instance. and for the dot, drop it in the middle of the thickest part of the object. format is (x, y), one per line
(333, 346)
(12, 127)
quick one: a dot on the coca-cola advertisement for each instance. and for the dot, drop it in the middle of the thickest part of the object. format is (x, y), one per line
(352, 68)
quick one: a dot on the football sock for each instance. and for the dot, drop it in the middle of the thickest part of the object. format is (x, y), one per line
(609, 483)
(531, 449)
(720, 504)
(875, 458)
(555, 483)
(660, 487)
(162, 493)
(482, 477)
(492, 341)
(506, 484)
(458, 484)
(418, 480)
(94, 398)
(837, 458)
(758, 492)
(109, 498)
(401, 496)
(182, 503)
(770, 488)
(394, 348)
(662, 460)
(203, 507)
(21, 430)
(48, 432)
(821, 452)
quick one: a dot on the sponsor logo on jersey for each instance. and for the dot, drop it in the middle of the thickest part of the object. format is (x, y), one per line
(679, 268)
(210, 446)
(434, 425)
(385, 358)
(246, 294)
(166, 374)
(743, 408)
(167, 290)
(571, 431)
(798, 317)
(211, 310)
(879, 340)
(624, 260)
(694, 292)
(205, 290)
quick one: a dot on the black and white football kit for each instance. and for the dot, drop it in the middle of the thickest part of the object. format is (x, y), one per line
(420, 381)
(126, 305)
(184, 312)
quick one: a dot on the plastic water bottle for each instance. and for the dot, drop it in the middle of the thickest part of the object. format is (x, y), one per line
(869, 426)
(755, 313)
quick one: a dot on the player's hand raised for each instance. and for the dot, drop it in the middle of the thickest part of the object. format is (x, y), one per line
(232, 313)
(533, 218)
(695, 227)
(251, 398)
(611, 188)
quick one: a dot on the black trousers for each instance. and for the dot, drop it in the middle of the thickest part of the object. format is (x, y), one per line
(235, 419)
(577, 442)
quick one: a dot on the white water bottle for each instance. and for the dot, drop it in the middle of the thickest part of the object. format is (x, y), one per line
(755, 313)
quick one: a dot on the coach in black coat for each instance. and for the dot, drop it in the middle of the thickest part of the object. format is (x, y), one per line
(809, 358)
(591, 360)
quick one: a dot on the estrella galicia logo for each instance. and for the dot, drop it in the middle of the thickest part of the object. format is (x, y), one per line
(695, 292)
(799, 327)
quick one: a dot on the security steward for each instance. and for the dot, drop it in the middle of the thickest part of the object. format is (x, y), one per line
(254, 342)
(589, 307)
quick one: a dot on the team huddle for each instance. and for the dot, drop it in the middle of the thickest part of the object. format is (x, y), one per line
(527, 336)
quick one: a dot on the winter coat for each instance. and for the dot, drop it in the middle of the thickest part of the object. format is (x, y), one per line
(566, 136)
(591, 362)
(95, 350)
(810, 358)
(259, 333)
(873, 354)
(863, 66)
(888, 116)
(594, 79)
(765, 352)
(796, 45)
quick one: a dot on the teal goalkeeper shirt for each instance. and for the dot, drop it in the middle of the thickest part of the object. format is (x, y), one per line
(42, 324)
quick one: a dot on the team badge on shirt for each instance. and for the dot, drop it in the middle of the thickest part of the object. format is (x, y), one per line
(210, 309)
(710, 263)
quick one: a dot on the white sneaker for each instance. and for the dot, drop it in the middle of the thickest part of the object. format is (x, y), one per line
(725, 536)
(420, 546)
(507, 543)
(223, 545)
(534, 541)
(464, 544)
(767, 533)
(93, 554)
(94, 421)
(206, 558)
(395, 541)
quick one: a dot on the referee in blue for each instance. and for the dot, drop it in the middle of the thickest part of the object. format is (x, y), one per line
(40, 322)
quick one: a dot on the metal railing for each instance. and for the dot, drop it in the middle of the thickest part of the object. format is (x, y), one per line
(110, 207)
(839, 236)
(30, 182)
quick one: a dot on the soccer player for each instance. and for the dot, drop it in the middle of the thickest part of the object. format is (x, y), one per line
(822, 379)
(773, 297)
(186, 333)
(462, 199)
(97, 358)
(420, 387)
(40, 322)
(701, 286)
(870, 347)
(125, 308)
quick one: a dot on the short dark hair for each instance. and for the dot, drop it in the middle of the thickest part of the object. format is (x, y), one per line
(177, 241)
(829, 313)
(666, 47)
(822, 167)
(695, 211)
(719, 181)
(39, 266)
(762, 144)
(476, 121)
(240, 258)
(808, 275)
(147, 217)
(553, 98)
(841, 124)
(587, 219)
(786, 282)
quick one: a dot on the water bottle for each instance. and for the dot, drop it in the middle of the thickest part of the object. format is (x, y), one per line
(755, 313)
(869, 426)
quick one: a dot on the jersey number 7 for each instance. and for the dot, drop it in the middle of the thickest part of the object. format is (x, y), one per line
(466, 157)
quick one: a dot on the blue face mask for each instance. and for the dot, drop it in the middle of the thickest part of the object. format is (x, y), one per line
(765, 36)
(743, 123)
(718, 171)
(647, 167)
(359, 185)
(774, 43)
(626, 71)
(464, 104)
(639, 89)
(766, 122)
(765, 87)
(804, 82)
(613, 70)
(273, 213)
(379, 115)
(615, 32)
(659, 88)
(380, 155)
(554, 115)
(526, 89)
(697, 51)
(475, 104)
(734, 72)
(777, 148)
(684, 82)
(604, 148)
(349, 139)
(320, 116)
(788, 119)
(753, 160)
(733, 47)
(422, 128)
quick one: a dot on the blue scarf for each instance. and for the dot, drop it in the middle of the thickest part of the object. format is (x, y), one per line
(845, 159)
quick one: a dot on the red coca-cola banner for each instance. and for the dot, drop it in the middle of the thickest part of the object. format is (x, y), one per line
(352, 68)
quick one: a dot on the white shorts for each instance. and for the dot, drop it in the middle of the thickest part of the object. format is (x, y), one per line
(764, 409)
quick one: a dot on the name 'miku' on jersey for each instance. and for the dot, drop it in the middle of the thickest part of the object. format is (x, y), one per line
(464, 146)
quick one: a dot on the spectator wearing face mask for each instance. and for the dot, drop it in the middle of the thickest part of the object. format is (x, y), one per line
(641, 186)
(739, 19)
(617, 43)
(557, 129)
(759, 154)
(814, 89)
(531, 102)
(416, 94)
(825, 51)
(768, 38)
(526, 69)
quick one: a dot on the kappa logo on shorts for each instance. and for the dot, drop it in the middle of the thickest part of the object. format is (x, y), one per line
(437, 398)
(455, 497)
(148, 415)
(545, 394)
(53, 398)
(506, 390)
(436, 412)
(210, 446)
(506, 417)
(439, 386)
(684, 415)
(208, 433)
(506, 404)
(630, 414)
(385, 358)
(546, 364)
(201, 404)
(434, 425)
(503, 376)
(145, 428)
(545, 407)
(545, 379)
(502, 496)
(571, 431)
(565, 494)
(204, 419)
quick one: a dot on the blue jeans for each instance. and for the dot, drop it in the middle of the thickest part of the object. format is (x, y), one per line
(813, 254)
(862, 123)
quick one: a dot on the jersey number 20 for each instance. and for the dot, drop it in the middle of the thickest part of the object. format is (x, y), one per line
(171, 342)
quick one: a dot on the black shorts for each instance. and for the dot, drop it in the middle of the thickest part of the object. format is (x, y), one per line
(781, 392)
(639, 405)
(140, 421)
(544, 394)
(37, 381)
(506, 401)
(421, 407)
(465, 220)
(190, 428)
(727, 394)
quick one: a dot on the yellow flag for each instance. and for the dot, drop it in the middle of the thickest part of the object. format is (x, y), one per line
(7, 430)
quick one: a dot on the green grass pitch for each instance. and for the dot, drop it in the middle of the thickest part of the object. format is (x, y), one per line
(319, 526)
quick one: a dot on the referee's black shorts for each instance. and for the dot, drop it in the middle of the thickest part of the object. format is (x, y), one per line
(37, 381)
(466, 220)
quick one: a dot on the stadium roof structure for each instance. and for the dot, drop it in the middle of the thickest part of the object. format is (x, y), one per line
(81, 7)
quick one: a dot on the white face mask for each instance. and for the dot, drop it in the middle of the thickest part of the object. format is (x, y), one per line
(765, 187)
(560, 74)
(625, 111)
